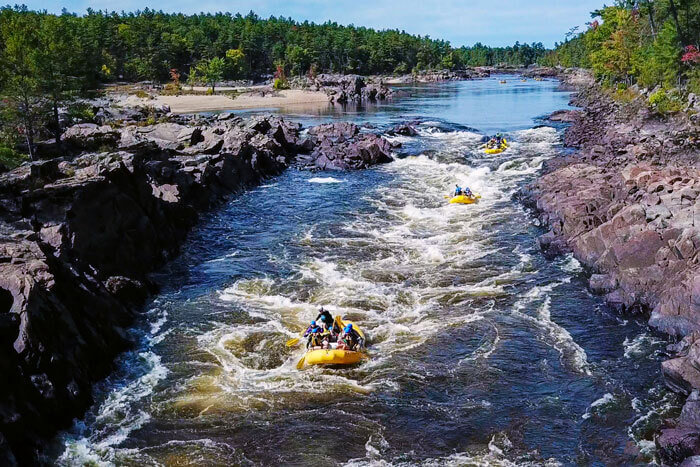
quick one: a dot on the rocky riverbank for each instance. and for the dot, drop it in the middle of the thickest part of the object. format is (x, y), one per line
(81, 233)
(627, 205)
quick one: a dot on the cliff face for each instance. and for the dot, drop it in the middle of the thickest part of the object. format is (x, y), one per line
(627, 206)
(81, 233)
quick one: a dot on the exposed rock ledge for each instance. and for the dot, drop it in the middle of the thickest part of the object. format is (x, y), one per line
(627, 206)
(81, 233)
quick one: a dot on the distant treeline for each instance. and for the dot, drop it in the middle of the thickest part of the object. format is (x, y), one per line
(47, 60)
(147, 45)
(648, 42)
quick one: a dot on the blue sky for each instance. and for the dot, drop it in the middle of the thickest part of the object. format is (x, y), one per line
(492, 22)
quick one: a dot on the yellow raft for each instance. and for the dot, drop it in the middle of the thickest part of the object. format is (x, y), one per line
(335, 356)
(498, 150)
(462, 199)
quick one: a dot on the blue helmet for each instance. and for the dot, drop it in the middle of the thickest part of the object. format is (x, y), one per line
(313, 323)
(348, 328)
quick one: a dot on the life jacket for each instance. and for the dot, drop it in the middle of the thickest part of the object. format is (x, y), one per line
(315, 339)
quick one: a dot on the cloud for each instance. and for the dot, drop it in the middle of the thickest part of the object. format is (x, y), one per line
(493, 22)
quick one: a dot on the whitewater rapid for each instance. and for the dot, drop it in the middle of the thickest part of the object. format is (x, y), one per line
(465, 322)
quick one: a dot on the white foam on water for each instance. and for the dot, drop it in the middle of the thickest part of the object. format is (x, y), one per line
(571, 264)
(118, 416)
(251, 384)
(495, 454)
(641, 346)
(392, 284)
(324, 180)
(598, 403)
(660, 404)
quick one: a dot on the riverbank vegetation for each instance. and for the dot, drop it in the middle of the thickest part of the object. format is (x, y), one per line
(653, 44)
(47, 60)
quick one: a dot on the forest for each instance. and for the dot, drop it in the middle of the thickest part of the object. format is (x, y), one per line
(48, 60)
(147, 45)
(647, 43)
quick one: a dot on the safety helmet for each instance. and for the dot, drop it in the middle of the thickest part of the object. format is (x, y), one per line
(313, 323)
(348, 328)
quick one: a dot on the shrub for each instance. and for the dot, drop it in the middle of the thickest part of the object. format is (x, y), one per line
(665, 101)
(694, 81)
(624, 95)
(81, 112)
(11, 158)
(280, 76)
(172, 89)
(280, 84)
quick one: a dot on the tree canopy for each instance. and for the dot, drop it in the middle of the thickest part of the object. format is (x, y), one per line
(649, 42)
(147, 44)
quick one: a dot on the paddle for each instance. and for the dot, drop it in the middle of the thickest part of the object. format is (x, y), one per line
(292, 342)
(300, 364)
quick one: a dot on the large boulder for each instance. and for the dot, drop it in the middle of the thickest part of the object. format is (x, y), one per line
(341, 146)
(350, 88)
(89, 136)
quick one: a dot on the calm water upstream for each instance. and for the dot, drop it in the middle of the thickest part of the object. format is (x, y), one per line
(483, 351)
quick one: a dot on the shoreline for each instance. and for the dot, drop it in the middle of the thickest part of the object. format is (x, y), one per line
(316, 93)
(187, 104)
(625, 205)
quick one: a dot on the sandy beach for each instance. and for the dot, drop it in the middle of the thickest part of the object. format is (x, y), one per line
(286, 98)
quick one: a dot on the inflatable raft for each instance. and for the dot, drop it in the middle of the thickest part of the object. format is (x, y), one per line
(462, 199)
(498, 150)
(334, 356)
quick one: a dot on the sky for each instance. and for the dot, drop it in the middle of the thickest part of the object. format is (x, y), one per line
(491, 22)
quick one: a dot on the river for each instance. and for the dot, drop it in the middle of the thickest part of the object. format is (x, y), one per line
(482, 350)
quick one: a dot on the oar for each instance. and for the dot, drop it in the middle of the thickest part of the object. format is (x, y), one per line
(292, 342)
(300, 364)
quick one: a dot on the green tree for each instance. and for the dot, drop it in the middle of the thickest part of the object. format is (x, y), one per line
(211, 71)
(59, 65)
(298, 58)
(19, 65)
(235, 62)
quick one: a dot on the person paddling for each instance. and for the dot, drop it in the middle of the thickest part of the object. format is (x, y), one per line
(310, 333)
(466, 191)
(325, 318)
(350, 339)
